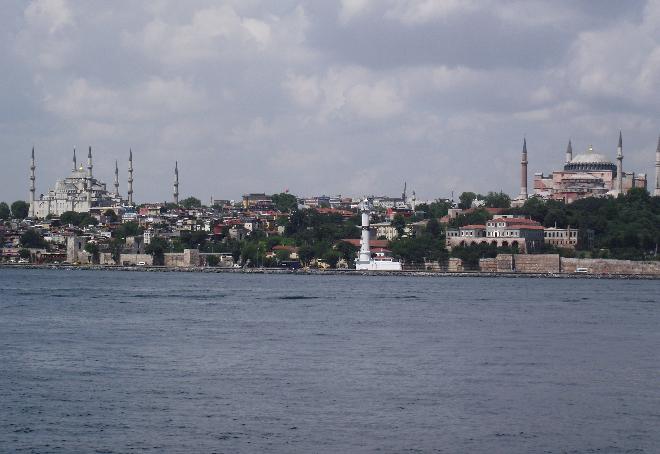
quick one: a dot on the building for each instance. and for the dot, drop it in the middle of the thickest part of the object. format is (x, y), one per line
(366, 261)
(257, 201)
(79, 192)
(568, 238)
(504, 231)
(588, 174)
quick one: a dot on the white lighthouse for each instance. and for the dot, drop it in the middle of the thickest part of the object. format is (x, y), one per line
(366, 262)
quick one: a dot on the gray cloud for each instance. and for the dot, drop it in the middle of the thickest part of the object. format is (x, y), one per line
(352, 96)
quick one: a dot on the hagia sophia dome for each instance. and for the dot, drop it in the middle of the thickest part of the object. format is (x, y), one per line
(590, 161)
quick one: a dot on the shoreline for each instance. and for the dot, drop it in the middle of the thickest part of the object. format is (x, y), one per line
(329, 272)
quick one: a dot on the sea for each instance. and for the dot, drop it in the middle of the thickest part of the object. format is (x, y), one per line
(126, 362)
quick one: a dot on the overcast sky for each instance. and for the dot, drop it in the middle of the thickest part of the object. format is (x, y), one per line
(323, 97)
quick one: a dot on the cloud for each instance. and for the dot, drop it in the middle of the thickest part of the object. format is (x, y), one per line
(352, 96)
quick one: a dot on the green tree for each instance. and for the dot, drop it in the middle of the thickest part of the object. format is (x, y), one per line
(212, 260)
(347, 251)
(433, 228)
(285, 202)
(156, 248)
(93, 250)
(191, 203)
(111, 216)
(306, 254)
(32, 239)
(20, 209)
(116, 248)
(497, 200)
(24, 253)
(128, 229)
(70, 217)
(399, 223)
(466, 200)
(4, 211)
(332, 257)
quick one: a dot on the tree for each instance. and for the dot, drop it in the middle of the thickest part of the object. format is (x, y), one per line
(433, 228)
(32, 239)
(128, 229)
(111, 216)
(347, 251)
(24, 253)
(93, 250)
(497, 200)
(116, 248)
(191, 203)
(285, 202)
(20, 209)
(306, 254)
(332, 258)
(4, 211)
(156, 248)
(466, 200)
(212, 260)
(399, 223)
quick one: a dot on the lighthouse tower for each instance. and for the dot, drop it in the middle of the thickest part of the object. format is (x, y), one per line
(365, 249)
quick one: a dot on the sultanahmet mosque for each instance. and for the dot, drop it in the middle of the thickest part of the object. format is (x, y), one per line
(80, 191)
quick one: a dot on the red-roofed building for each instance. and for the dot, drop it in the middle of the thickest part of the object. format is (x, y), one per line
(372, 243)
(504, 231)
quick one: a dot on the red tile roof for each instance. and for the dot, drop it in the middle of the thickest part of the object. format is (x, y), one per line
(372, 243)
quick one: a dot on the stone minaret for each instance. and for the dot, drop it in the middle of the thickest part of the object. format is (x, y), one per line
(89, 163)
(89, 175)
(75, 161)
(523, 171)
(176, 183)
(619, 165)
(130, 177)
(569, 152)
(116, 178)
(32, 185)
(657, 170)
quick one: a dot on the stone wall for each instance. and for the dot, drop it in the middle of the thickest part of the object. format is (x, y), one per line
(134, 259)
(536, 263)
(488, 265)
(455, 265)
(504, 263)
(607, 266)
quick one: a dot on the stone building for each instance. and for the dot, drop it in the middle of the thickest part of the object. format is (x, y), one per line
(505, 231)
(588, 174)
(79, 192)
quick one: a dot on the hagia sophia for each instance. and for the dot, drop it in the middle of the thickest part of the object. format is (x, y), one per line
(587, 174)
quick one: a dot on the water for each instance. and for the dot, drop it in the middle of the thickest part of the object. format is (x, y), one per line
(114, 362)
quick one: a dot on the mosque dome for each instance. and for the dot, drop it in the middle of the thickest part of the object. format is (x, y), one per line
(590, 161)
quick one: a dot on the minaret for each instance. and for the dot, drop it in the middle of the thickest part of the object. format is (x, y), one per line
(89, 163)
(75, 161)
(176, 183)
(365, 249)
(32, 186)
(569, 152)
(523, 171)
(130, 177)
(619, 165)
(116, 178)
(89, 176)
(657, 170)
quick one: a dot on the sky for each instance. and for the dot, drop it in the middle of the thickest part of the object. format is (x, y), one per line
(348, 97)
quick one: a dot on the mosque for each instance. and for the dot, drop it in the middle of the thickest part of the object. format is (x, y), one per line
(80, 191)
(588, 174)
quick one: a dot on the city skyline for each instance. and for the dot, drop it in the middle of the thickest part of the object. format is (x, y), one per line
(321, 99)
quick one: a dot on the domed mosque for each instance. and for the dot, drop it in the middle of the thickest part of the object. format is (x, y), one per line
(588, 174)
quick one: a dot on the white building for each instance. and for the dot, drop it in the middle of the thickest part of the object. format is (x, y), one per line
(79, 192)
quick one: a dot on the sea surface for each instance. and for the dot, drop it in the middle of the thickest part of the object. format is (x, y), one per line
(122, 362)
